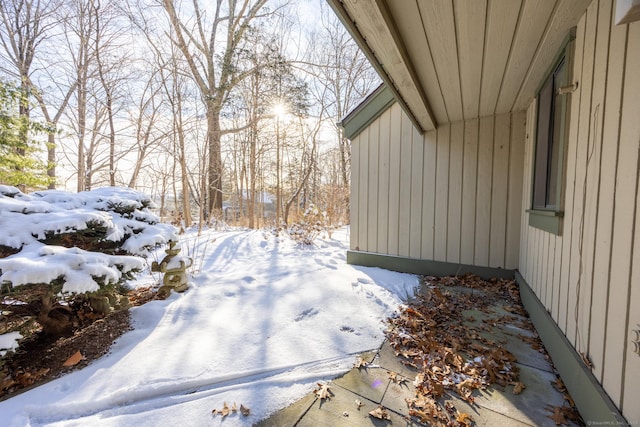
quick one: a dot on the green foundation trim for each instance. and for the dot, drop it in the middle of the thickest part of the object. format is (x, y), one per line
(421, 266)
(590, 398)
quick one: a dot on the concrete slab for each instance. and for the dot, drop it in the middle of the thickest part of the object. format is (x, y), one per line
(510, 337)
(395, 398)
(523, 352)
(370, 383)
(341, 410)
(529, 407)
(486, 417)
(387, 359)
(290, 416)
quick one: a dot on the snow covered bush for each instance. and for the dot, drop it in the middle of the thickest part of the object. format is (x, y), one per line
(80, 244)
(314, 221)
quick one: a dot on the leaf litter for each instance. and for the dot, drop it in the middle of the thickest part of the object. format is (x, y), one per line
(452, 356)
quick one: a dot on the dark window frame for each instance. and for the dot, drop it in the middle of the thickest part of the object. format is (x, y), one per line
(551, 135)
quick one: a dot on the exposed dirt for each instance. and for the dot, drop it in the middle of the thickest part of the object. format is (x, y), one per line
(41, 358)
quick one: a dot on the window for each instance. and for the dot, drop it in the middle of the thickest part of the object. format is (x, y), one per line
(548, 167)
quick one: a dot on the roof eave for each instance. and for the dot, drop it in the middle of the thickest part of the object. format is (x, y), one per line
(420, 112)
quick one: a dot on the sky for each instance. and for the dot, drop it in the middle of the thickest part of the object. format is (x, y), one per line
(263, 321)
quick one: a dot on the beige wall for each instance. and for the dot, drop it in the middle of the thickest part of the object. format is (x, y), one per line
(452, 195)
(589, 277)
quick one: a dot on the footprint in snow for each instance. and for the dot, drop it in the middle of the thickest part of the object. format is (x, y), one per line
(309, 312)
(326, 264)
(365, 281)
(345, 328)
(249, 279)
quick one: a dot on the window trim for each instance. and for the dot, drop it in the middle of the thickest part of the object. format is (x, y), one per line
(550, 219)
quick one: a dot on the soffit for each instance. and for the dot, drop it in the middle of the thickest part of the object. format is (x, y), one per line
(451, 60)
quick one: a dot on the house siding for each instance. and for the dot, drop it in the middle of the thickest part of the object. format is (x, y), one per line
(453, 194)
(588, 278)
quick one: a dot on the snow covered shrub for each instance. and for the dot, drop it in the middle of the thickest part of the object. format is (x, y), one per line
(314, 222)
(80, 246)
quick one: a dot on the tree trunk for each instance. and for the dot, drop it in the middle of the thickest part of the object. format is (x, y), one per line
(51, 160)
(278, 183)
(184, 178)
(82, 105)
(252, 178)
(215, 159)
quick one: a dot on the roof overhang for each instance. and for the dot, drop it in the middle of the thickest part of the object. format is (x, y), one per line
(380, 43)
(446, 61)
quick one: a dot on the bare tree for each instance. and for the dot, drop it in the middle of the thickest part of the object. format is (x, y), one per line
(342, 76)
(209, 45)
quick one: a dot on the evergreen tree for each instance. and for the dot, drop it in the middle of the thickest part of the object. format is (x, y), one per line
(19, 164)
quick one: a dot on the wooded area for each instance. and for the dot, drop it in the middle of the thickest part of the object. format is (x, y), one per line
(222, 110)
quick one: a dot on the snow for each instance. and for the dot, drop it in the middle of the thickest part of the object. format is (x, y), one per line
(27, 219)
(263, 321)
(9, 342)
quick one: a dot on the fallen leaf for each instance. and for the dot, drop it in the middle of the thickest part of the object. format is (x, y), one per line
(74, 359)
(324, 392)
(380, 413)
(436, 389)
(7, 382)
(393, 376)
(225, 410)
(519, 388)
(360, 363)
(586, 361)
(464, 419)
(557, 415)
(423, 416)
(559, 385)
(234, 408)
(244, 410)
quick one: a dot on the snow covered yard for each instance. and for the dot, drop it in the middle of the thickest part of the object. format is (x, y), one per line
(264, 320)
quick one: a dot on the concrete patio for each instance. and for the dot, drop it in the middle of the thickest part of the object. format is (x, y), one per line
(373, 386)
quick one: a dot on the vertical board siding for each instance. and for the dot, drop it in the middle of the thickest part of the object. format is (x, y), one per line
(405, 185)
(442, 196)
(525, 251)
(354, 195)
(469, 190)
(499, 190)
(586, 33)
(589, 276)
(428, 194)
(483, 195)
(514, 190)
(625, 203)
(417, 178)
(456, 157)
(372, 197)
(383, 184)
(608, 165)
(594, 165)
(632, 363)
(394, 179)
(442, 193)
(363, 188)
